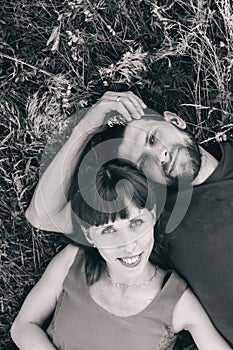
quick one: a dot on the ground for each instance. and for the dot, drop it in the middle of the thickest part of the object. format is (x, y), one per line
(57, 57)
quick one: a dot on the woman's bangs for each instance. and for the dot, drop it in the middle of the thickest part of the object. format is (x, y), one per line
(111, 194)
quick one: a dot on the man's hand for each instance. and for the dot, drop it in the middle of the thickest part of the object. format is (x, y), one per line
(127, 104)
(49, 209)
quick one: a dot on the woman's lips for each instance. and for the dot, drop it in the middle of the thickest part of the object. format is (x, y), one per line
(131, 261)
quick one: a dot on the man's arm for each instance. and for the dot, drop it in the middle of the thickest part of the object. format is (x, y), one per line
(49, 209)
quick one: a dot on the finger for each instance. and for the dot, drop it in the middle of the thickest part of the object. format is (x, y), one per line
(130, 100)
(135, 103)
(121, 109)
(135, 110)
(138, 99)
(139, 104)
(112, 95)
(107, 104)
(125, 107)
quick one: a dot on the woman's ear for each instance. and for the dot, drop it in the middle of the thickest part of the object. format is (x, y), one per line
(174, 119)
(87, 235)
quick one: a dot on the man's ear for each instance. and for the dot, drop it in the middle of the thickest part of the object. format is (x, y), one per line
(174, 119)
(87, 234)
(154, 214)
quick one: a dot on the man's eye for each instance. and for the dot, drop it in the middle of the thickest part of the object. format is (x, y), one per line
(152, 139)
(136, 223)
(108, 230)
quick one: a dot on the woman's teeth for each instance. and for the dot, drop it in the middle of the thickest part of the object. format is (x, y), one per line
(132, 261)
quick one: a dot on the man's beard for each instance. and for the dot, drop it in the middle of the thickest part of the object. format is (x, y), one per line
(186, 179)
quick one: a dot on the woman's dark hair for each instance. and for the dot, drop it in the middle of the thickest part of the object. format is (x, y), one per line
(99, 193)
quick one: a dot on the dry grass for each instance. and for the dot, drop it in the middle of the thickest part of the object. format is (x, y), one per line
(59, 56)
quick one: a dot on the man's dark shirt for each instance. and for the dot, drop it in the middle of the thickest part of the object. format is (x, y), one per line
(201, 247)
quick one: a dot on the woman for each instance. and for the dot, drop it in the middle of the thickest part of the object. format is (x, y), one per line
(114, 294)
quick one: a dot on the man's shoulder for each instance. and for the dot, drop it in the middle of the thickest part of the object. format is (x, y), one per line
(227, 147)
(218, 149)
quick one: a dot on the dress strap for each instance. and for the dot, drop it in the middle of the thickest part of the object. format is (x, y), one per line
(76, 273)
(172, 289)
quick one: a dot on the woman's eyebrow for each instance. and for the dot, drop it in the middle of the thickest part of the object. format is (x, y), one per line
(136, 217)
(106, 225)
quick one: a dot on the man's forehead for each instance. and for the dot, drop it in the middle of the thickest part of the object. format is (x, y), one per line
(136, 131)
(133, 142)
(137, 126)
(130, 150)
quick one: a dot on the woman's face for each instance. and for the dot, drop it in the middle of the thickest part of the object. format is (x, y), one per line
(126, 244)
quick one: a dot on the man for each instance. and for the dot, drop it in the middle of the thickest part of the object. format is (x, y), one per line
(198, 220)
(200, 242)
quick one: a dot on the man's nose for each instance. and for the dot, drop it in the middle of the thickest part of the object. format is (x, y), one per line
(163, 156)
(160, 152)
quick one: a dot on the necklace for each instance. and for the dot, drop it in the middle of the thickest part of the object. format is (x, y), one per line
(139, 285)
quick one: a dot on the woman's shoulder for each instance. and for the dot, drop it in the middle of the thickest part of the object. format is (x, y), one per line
(69, 251)
(67, 255)
(172, 277)
(63, 260)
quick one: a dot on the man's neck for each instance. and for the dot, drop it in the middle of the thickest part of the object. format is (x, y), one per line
(208, 165)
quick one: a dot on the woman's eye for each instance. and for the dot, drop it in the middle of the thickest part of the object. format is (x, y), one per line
(136, 223)
(108, 230)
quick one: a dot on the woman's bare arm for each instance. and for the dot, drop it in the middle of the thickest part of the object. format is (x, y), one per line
(27, 330)
(190, 315)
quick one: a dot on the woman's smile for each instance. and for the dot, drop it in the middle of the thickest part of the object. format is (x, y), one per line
(132, 261)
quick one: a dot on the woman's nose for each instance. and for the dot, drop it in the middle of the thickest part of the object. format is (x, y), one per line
(128, 247)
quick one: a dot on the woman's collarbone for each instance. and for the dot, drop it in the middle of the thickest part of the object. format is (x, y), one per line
(123, 302)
